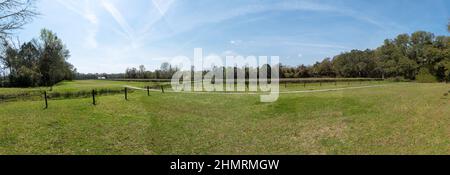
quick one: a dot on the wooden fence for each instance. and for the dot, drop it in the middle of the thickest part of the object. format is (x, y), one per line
(94, 93)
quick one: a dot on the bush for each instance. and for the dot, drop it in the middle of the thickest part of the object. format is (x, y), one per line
(397, 79)
(424, 76)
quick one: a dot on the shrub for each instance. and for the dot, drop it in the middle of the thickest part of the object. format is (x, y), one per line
(424, 76)
(397, 79)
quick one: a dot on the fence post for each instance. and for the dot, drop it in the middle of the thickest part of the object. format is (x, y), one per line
(320, 83)
(148, 90)
(45, 97)
(93, 97)
(304, 84)
(162, 88)
(126, 93)
(335, 83)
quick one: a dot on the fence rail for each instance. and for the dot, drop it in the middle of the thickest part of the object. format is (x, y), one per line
(281, 80)
(143, 80)
(325, 80)
(39, 95)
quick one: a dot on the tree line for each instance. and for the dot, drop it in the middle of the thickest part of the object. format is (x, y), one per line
(93, 76)
(166, 71)
(39, 62)
(420, 56)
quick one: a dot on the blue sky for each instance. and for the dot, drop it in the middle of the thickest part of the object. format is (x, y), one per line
(111, 35)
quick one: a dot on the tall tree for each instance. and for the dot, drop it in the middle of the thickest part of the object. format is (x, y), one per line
(403, 42)
(141, 72)
(419, 42)
(53, 60)
(324, 68)
(13, 15)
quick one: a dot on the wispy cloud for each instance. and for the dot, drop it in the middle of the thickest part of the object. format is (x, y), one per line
(228, 14)
(166, 28)
(119, 18)
(306, 5)
(137, 35)
(84, 9)
(162, 5)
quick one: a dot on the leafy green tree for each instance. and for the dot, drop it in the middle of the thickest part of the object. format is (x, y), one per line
(38, 62)
(324, 68)
(53, 63)
(419, 41)
(302, 71)
(403, 42)
(131, 73)
(28, 73)
(141, 72)
(22, 65)
(443, 70)
(355, 63)
(407, 67)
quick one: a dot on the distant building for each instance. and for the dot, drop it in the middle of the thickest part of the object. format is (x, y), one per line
(102, 78)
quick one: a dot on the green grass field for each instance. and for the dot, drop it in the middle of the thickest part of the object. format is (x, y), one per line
(397, 118)
(80, 85)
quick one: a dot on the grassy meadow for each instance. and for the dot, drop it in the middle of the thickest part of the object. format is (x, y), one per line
(396, 118)
(78, 85)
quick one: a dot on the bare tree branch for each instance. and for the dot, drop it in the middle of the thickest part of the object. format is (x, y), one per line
(14, 14)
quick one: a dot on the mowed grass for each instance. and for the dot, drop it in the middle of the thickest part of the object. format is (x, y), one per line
(80, 85)
(403, 118)
(77, 85)
(328, 85)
